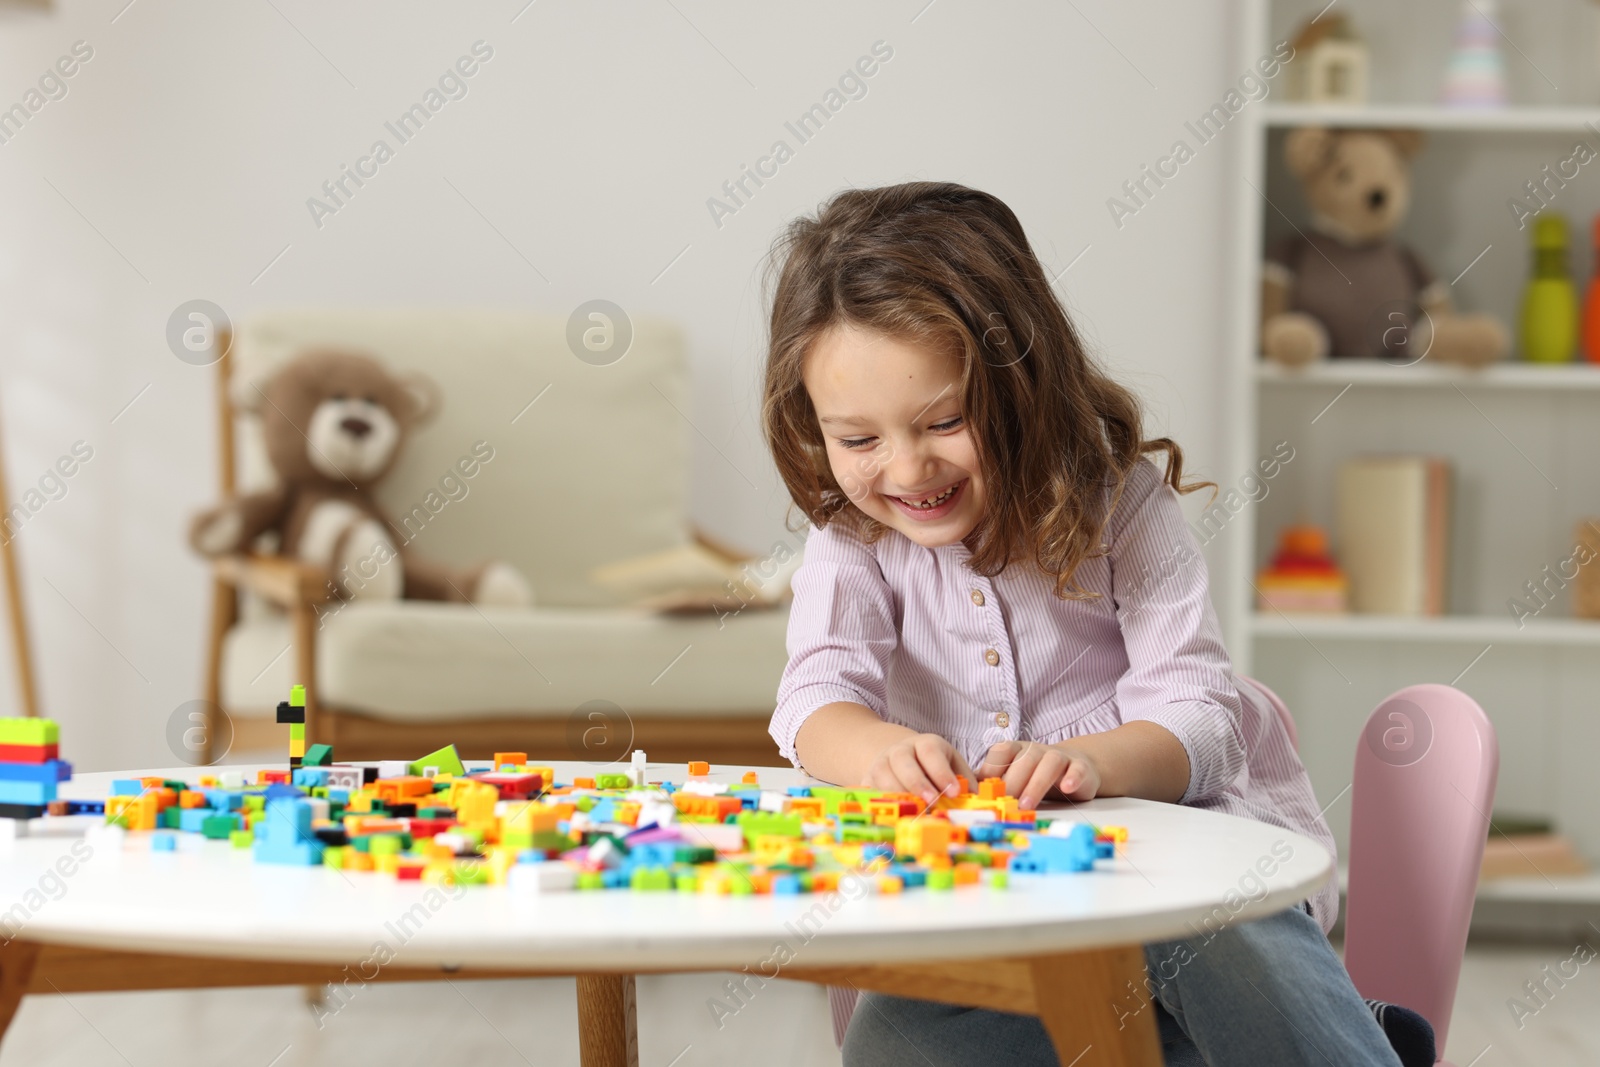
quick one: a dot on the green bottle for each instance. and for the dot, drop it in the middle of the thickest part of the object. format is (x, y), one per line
(1550, 302)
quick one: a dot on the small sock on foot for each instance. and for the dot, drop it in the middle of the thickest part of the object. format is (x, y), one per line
(1409, 1034)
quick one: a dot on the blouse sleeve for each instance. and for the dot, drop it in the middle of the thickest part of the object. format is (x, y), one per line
(842, 633)
(1179, 675)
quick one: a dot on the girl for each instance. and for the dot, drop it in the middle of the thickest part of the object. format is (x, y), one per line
(998, 580)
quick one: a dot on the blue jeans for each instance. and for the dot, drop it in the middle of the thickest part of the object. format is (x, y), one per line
(1264, 992)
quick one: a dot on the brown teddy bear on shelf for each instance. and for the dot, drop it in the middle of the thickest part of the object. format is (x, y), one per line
(1345, 287)
(333, 423)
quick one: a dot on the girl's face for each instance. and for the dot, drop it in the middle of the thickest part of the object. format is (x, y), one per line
(890, 413)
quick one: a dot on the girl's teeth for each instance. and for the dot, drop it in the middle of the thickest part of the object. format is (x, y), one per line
(930, 502)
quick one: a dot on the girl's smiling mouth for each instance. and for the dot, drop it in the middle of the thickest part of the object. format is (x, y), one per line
(929, 506)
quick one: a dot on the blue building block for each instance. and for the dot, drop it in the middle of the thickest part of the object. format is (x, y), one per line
(785, 884)
(49, 771)
(986, 833)
(310, 777)
(604, 810)
(163, 841)
(1056, 855)
(616, 878)
(284, 835)
(798, 790)
(193, 820)
(224, 799)
(910, 877)
(126, 787)
(86, 807)
(27, 792)
(279, 791)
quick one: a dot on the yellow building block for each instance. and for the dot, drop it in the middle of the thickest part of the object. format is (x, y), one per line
(921, 837)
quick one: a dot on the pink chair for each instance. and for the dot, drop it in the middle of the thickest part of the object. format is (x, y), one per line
(1425, 773)
(1424, 782)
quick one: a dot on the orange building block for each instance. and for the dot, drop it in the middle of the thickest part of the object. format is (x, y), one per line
(750, 778)
(401, 790)
(516, 759)
(190, 798)
(990, 788)
(697, 767)
(808, 808)
(966, 873)
(583, 783)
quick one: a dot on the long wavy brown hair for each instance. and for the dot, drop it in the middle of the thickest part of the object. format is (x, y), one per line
(950, 268)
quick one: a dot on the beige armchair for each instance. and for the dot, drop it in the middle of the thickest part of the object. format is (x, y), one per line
(590, 467)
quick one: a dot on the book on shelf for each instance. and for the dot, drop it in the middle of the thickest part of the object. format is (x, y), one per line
(1527, 846)
(1394, 533)
(1530, 856)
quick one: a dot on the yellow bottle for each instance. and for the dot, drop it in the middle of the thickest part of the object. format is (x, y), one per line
(1550, 301)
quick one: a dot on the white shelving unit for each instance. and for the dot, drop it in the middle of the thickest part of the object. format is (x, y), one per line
(1523, 439)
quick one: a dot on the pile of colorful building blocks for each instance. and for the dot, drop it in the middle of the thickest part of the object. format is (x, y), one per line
(433, 820)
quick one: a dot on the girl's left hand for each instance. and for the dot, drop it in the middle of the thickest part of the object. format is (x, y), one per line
(1032, 770)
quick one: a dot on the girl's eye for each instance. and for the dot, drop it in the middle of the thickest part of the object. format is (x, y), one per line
(856, 442)
(948, 424)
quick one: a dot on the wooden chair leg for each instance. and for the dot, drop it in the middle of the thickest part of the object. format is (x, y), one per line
(304, 618)
(17, 959)
(224, 613)
(608, 1034)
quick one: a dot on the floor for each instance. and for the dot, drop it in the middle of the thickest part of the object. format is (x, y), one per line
(505, 1024)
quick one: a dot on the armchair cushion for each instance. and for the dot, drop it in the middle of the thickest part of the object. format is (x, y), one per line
(426, 661)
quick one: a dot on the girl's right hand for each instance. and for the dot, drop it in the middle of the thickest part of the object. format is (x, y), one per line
(924, 764)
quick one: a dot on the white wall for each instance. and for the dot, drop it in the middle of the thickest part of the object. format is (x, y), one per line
(179, 164)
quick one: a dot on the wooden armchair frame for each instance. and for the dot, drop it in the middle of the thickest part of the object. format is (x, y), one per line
(302, 591)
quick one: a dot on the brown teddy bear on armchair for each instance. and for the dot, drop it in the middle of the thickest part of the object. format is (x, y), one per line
(1345, 288)
(333, 424)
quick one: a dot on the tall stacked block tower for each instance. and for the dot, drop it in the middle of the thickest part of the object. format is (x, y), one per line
(293, 712)
(29, 767)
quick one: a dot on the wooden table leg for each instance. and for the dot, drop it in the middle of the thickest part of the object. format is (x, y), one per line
(1083, 998)
(16, 971)
(608, 1033)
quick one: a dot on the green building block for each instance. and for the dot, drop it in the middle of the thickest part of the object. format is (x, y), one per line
(241, 838)
(590, 880)
(471, 872)
(297, 731)
(333, 856)
(855, 835)
(317, 756)
(611, 781)
(832, 797)
(651, 879)
(219, 827)
(999, 879)
(942, 879)
(444, 761)
(383, 844)
(694, 854)
(297, 696)
(29, 732)
(169, 818)
(756, 824)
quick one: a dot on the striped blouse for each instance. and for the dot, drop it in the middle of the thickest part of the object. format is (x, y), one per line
(922, 640)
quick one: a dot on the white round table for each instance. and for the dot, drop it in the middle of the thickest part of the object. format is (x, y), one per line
(1060, 946)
